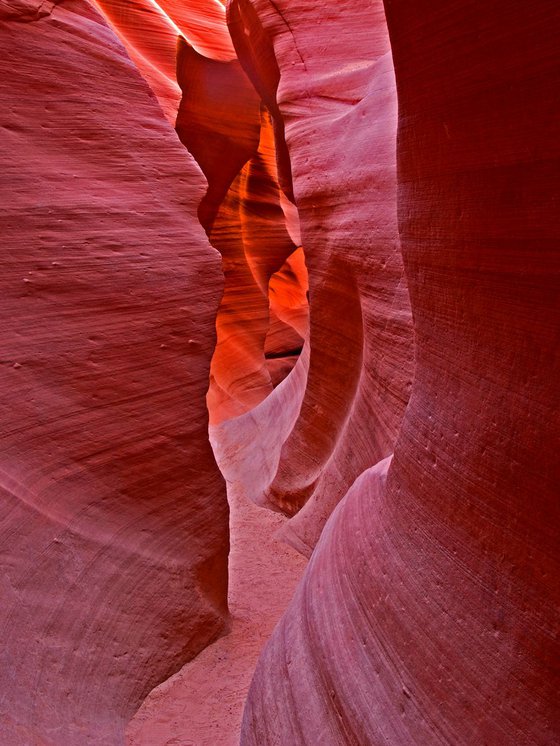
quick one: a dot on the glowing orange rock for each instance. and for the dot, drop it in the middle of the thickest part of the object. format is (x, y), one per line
(221, 122)
(151, 30)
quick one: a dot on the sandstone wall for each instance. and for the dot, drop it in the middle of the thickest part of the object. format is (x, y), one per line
(113, 512)
(429, 609)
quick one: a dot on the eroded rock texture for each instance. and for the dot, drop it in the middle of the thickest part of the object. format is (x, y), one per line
(222, 123)
(336, 108)
(263, 313)
(279, 143)
(150, 32)
(429, 610)
(114, 518)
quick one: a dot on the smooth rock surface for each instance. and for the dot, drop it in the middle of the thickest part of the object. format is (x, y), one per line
(221, 121)
(337, 102)
(114, 520)
(151, 31)
(429, 610)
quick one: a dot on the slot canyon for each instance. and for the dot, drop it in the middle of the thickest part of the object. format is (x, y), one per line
(280, 380)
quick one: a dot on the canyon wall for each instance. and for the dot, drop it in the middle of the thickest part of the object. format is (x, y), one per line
(150, 32)
(114, 535)
(377, 346)
(313, 281)
(337, 113)
(221, 121)
(429, 609)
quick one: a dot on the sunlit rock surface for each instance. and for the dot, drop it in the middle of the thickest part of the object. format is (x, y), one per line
(338, 111)
(222, 123)
(380, 367)
(151, 31)
(113, 513)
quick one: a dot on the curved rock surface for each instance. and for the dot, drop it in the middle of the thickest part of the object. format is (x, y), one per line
(222, 123)
(203, 703)
(338, 115)
(113, 513)
(425, 491)
(429, 610)
(151, 31)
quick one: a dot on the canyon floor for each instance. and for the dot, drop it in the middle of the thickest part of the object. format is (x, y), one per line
(202, 704)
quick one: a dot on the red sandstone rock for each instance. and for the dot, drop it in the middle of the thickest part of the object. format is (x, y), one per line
(338, 112)
(429, 610)
(114, 519)
(150, 32)
(221, 123)
(203, 703)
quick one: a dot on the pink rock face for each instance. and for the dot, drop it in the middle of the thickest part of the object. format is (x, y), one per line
(338, 113)
(203, 703)
(114, 517)
(429, 609)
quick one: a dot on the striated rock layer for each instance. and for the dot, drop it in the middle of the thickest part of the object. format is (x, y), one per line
(278, 144)
(113, 514)
(336, 109)
(203, 703)
(429, 610)
(151, 31)
(222, 122)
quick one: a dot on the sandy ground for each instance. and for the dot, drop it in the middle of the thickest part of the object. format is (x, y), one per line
(202, 704)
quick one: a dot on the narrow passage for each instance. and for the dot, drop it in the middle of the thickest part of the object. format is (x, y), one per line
(202, 704)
